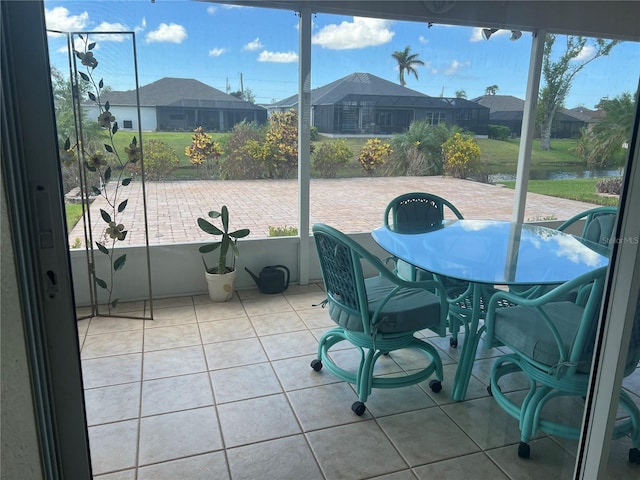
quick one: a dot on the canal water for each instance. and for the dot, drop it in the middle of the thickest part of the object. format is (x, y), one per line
(565, 173)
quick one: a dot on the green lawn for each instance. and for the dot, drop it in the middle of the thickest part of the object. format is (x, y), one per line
(582, 189)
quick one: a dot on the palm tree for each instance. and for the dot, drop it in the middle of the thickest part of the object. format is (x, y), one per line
(461, 94)
(406, 62)
(608, 136)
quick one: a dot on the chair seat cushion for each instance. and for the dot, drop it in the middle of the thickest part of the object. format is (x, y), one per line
(524, 330)
(409, 310)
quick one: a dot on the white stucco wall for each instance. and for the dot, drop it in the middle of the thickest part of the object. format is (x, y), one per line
(147, 116)
(177, 270)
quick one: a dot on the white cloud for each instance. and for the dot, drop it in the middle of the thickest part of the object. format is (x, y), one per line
(172, 33)
(454, 66)
(59, 18)
(211, 10)
(476, 34)
(361, 33)
(278, 57)
(111, 27)
(253, 46)
(216, 52)
(142, 27)
(423, 39)
(586, 53)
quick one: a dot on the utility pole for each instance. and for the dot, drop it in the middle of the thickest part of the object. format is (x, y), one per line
(241, 86)
(228, 86)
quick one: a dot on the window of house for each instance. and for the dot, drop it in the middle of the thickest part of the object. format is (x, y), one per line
(435, 118)
(127, 124)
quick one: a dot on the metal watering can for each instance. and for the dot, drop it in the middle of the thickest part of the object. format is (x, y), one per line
(272, 279)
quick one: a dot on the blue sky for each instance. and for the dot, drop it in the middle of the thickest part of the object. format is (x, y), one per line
(220, 45)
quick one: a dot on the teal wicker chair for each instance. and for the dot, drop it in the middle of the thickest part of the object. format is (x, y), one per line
(377, 315)
(598, 224)
(552, 342)
(419, 212)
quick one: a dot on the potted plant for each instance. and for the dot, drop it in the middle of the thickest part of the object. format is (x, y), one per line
(221, 277)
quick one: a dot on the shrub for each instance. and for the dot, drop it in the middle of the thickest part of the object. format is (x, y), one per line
(279, 151)
(314, 133)
(461, 156)
(418, 151)
(283, 231)
(330, 156)
(612, 185)
(160, 160)
(203, 151)
(499, 132)
(373, 155)
(239, 162)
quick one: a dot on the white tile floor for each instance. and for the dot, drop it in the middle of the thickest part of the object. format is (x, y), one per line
(225, 391)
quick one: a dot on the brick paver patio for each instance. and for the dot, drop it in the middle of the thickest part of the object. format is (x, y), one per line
(350, 204)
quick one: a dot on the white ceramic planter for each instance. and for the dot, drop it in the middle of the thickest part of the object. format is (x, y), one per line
(221, 287)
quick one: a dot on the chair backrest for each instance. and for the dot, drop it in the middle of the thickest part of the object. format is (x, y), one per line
(417, 212)
(598, 224)
(340, 263)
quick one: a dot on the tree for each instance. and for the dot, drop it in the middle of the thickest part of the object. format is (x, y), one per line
(558, 76)
(491, 90)
(247, 95)
(608, 136)
(461, 94)
(407, 62)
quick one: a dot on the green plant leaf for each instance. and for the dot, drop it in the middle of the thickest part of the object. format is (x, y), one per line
(114, 129)
(89, 167)
(209, 247)
(119, 262)
(214, 214)
(102, 248)
(107, 174)
(67, 144)
(91, 46)
(105, 216)
(114, 303)
(84, 76)
(91, 96)
(126, 181)
(101, 283)
(243, 232)
(208, 227)
(101, 84)
(108, 148)
(95, 190)
(124, 235)
(134, 142)
(122, 205)
(107, 106)
(225, 218)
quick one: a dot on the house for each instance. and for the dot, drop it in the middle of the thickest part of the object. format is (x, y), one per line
(179, 104)
(362, 103)
(508, 110)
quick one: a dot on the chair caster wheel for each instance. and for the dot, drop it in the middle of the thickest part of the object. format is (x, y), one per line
(358, 408)
(634, 455)
(435, 386)
(453, 342)
(524, 451)
(316, 365)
